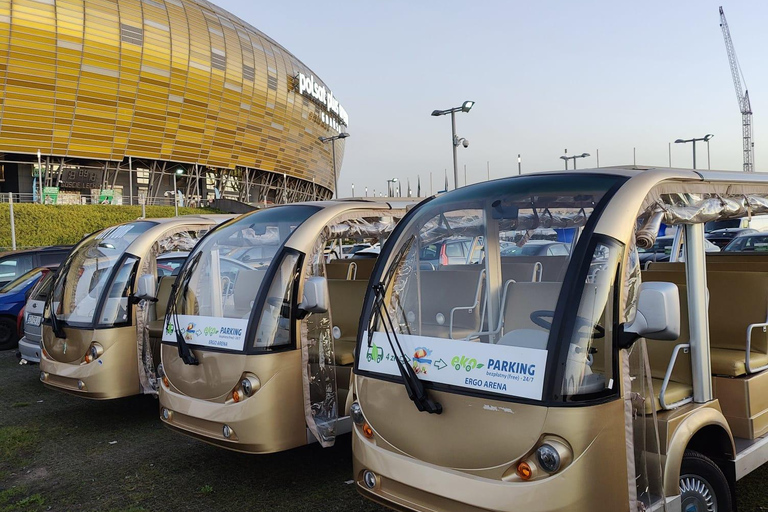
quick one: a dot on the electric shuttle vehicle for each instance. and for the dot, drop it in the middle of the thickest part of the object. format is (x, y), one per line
(100, 339)
(577, 382)
(259, 334)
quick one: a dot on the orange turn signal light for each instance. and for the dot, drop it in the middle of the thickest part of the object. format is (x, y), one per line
(166, 381)
(524, 471)
(367, 431)
(236, 396)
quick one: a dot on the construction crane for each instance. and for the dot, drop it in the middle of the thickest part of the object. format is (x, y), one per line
(742, 96)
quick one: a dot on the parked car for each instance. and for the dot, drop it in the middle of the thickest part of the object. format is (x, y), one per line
(349, 251)
(12, 298)
(758, 222)
(722, 237)
(454, 251)
(662, 249)
(32, 324)
(537, 248)
(17, 263)
(170, 263)
(754, 242)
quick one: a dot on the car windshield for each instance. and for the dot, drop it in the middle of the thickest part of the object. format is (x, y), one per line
(223, 277)
(22, 282)
(83, 280)
(721, 224)
(748, 244)
(484, 325)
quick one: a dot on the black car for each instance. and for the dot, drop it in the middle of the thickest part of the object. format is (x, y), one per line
(754, 242)
(18, 263)
(722, 237)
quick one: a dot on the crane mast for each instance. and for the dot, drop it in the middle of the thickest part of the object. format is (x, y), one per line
(742, 95)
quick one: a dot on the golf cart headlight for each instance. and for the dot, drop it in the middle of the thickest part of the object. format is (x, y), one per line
(356, 412)
(247, 387)
(163, 377)
(548, 458)
(94, 352)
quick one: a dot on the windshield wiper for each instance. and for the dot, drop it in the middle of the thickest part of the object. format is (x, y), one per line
(413, 385)
(185, 353)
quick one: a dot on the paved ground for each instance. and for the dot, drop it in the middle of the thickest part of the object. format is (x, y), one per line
(59, 452)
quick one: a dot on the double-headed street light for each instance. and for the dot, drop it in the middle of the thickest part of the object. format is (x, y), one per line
(391, 187)
(705, 138)
(455, 140)
(332, 140)
(574, 157)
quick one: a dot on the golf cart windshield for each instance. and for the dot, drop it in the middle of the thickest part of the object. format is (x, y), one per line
(487, 324)
(97, 276)
(226, 274)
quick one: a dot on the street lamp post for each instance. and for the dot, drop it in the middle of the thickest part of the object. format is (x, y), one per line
(574, 157)
(175, 191)
(391, 187)
(519, 165)
(694, 140)
(332, 140)
(455, 140)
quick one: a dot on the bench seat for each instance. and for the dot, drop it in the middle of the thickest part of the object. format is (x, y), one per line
(731, 363)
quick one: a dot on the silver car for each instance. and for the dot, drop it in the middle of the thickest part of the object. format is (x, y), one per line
(29, 345)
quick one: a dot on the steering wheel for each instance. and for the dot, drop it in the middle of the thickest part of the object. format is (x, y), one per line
(538, 318)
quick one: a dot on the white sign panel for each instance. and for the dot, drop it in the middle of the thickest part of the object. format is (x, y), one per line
(208, 331)
(513, 371)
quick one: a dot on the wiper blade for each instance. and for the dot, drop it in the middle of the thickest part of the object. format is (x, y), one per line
(413, 385)
(185, 353)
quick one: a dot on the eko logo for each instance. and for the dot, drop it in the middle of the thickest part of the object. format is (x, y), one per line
(469, 364)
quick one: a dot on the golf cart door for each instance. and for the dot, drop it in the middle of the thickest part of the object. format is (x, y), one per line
(316, 342)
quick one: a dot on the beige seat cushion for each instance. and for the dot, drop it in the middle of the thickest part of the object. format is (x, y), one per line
(343, 352)
(676, 391)
(731, 363)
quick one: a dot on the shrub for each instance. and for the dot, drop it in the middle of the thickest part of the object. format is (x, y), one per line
(43, 225)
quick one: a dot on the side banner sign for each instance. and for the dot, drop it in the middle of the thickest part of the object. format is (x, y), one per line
(513, 371)
(209, 331)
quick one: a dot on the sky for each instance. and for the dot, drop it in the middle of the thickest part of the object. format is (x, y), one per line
(618, 78)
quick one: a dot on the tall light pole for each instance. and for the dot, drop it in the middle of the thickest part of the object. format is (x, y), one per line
(391, 187)
(694, 140)
(175, 191)
(332, 140)
(455, 140)
(519, 165)
(574, 157)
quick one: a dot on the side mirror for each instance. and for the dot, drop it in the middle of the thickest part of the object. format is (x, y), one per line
(146, 288)
(315, 298)
(658, 313)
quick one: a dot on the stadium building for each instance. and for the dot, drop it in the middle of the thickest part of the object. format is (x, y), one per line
(111, 100)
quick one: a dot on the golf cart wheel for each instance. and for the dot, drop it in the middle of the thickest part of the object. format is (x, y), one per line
(703, 486)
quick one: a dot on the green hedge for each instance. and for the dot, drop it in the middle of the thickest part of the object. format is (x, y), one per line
(43, 225)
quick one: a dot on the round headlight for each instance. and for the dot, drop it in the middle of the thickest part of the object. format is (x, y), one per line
(548, 458)
(226, 431)
(369, 479)
(356, 412)
(246, 385)
(160, 370)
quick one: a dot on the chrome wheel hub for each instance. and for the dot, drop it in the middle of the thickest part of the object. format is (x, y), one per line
(697, 494)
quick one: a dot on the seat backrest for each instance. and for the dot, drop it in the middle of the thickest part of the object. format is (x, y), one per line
(518, 271)
(737, 299)
(523, 298)
(660, 351)
(346, 305)
(364, 267)
(163, 294)
(553, 267)
(338, 269)
(443, 290)
(712, 266)
(247, 286)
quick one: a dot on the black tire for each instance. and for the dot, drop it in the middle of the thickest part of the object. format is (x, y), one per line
(9, 338)
(703, 486)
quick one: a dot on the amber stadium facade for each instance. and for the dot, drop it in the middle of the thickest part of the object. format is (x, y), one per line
(126, 95)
